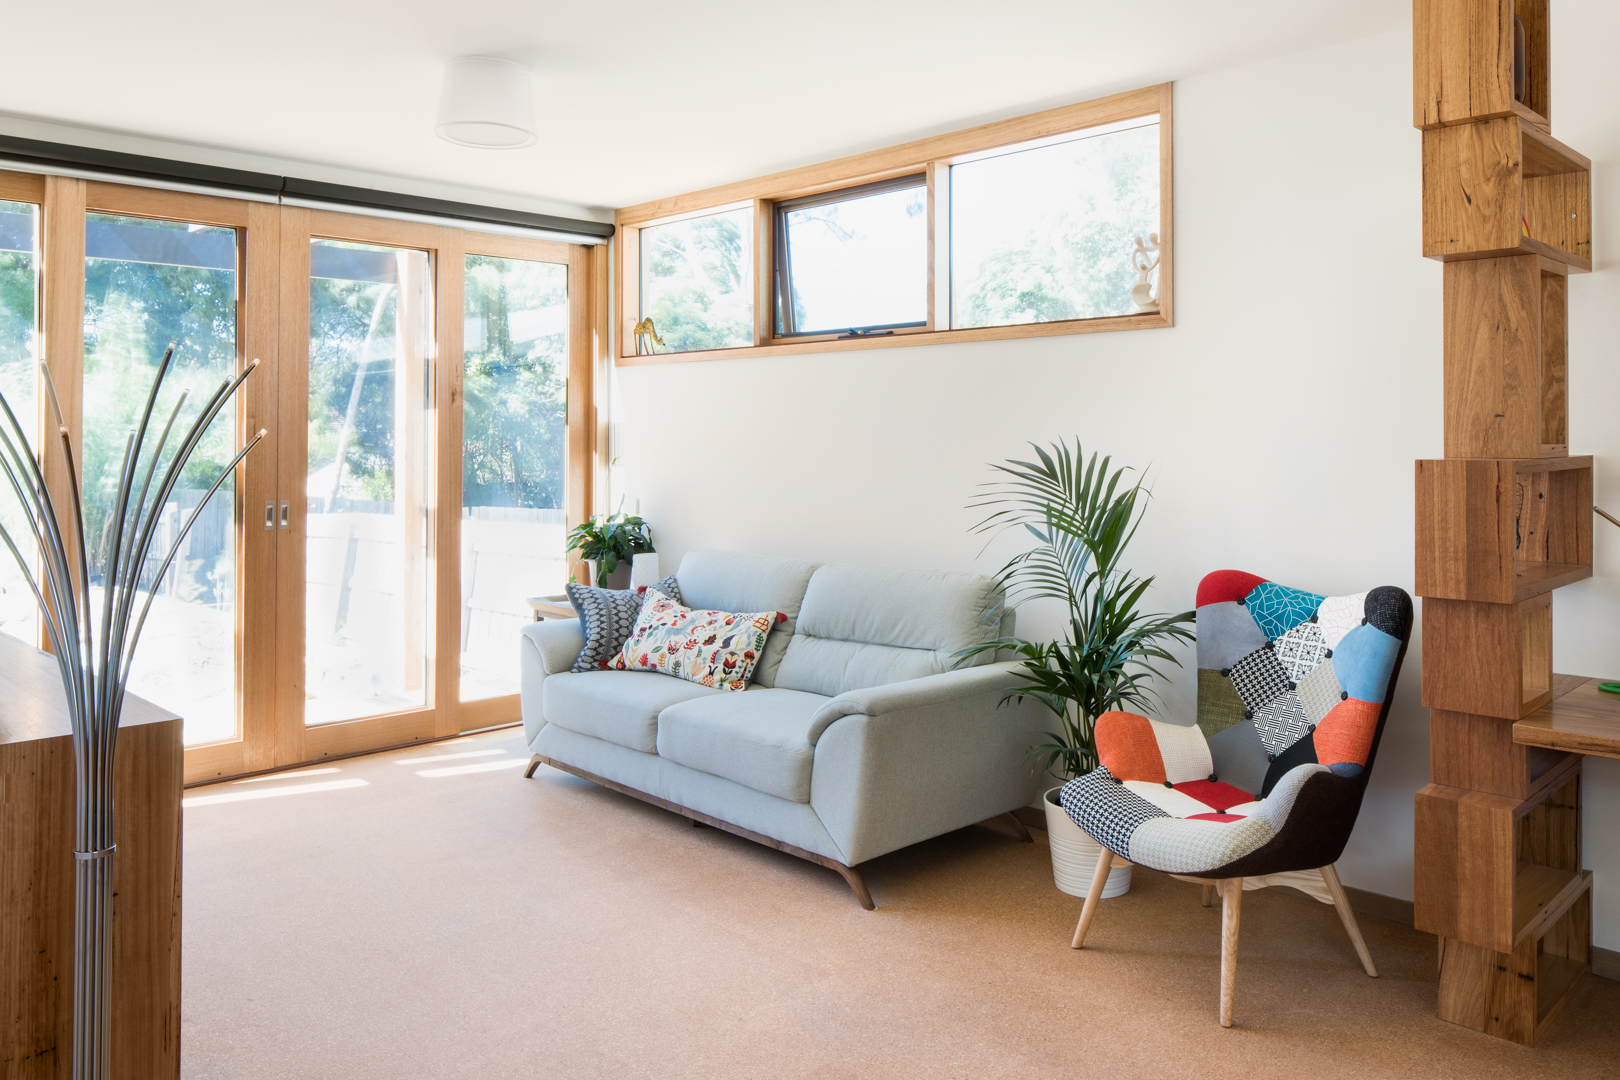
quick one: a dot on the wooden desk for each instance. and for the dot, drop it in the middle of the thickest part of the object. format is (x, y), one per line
(1580, 718)
(37, 817)
(552, 607)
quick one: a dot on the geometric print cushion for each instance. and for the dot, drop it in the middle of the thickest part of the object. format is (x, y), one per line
(1289, 659)
(1193, 828)
(607, 617)
(711, 648)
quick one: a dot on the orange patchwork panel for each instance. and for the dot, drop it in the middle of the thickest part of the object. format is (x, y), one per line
(1128, 748)
(1346, 732)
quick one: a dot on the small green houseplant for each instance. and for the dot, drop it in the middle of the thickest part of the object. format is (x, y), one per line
(609, 539)
(1083, 517)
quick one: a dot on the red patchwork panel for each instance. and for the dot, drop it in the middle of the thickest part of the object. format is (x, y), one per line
(1346, 732)
(1215, 817)
(1128, 748)
(1214, 794)
(1223, 586)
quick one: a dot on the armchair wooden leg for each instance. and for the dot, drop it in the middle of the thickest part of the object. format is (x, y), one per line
(1348, 917)
(1099, 880)
(1231, 911)
(1206, 894)
(534, 763)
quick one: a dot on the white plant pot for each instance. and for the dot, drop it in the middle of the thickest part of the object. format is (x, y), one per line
(1075, 854)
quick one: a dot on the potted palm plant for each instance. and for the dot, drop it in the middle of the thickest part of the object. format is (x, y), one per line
(1082, 517)
(609, 541)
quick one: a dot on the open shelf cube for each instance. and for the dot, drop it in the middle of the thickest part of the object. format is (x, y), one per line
(1494, 871)
(1484, 753)
(1583, 720)
(1506, 358)
(1505, 187)
(1463, 61)
(1488, 659)
(1502, 530)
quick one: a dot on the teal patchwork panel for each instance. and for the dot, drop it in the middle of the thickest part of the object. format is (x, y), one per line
(1278, 609)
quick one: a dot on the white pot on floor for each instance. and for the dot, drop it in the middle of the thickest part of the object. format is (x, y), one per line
(1075, 854)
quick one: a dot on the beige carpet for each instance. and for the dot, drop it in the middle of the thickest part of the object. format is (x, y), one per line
(399, 917)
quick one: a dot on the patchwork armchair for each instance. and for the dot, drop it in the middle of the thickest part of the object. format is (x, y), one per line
(1293, 692)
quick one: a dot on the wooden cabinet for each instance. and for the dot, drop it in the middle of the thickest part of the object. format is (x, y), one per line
(37, 887)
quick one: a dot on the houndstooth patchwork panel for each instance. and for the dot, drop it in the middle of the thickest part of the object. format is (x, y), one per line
(1177, 846)
(1319, 692)
(607, 617)
(1259, 677)
(1108, 811)
(1282, 722)
(1301, 649)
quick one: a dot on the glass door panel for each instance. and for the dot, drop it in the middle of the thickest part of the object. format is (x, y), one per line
(148, 283)
(366, 563)
(514, 437)
(19, 382)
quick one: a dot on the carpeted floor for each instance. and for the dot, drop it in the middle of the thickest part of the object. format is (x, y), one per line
(396, 916)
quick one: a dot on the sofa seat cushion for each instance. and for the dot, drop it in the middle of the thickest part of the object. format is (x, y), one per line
(619, 707)
(760, 738)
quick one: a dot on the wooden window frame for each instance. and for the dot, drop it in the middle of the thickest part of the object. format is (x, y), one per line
(932, 156)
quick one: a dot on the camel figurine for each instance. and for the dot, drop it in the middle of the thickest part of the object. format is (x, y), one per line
(643, 331)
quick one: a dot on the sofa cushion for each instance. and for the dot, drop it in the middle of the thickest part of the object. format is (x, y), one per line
(760, 739)
(618, 706)
(864, 626)
(607, 617)
(713, 648)
(728, 581)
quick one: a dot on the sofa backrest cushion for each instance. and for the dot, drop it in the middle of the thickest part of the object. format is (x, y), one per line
(730, 581)
(864, 626)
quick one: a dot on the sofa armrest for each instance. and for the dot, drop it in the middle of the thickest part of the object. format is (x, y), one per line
(924, 757)
(929, 691)
(544, 648)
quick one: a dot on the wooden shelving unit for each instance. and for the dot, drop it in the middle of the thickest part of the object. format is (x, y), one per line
(1501, 522)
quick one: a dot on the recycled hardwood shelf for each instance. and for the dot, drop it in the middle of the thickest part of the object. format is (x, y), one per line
(1488, 659)
(1583, 720)
(1505, 187)
(1462, 61)
(1540, 895)
(1502, 530)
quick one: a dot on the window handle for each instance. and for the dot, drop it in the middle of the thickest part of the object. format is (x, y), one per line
(270, 515)
(854, 333)
(286, 515)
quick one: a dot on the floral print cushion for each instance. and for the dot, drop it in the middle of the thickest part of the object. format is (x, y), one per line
(711, 648)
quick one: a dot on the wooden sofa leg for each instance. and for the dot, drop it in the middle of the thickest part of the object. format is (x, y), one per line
(1231, 912)
(856, 882)
(1099, 881)
(1206, 893)
(1348, 917)
(534, 763)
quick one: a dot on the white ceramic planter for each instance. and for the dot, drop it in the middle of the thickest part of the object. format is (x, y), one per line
(1075, 854)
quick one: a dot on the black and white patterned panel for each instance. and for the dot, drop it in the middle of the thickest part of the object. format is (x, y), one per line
(1109, 811)
(1301, 649)
(1281, 722)
(1259, 677)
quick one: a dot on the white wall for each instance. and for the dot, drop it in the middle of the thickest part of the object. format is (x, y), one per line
(1281, 415)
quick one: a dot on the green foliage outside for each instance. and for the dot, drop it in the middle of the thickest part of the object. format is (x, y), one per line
(1074, 260)
(132, 311)
(18, 292)
(515, 418)
(696, 282)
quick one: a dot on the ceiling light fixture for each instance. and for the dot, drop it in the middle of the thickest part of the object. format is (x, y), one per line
(487, 103)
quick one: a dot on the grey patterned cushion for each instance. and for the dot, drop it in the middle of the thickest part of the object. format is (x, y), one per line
(607, 616)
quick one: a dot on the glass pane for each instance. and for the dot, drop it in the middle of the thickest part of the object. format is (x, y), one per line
(1046, 234)
(146, 284)
(514, 432)
(697, 282)
(19, 382)
(859, 263)
(366, 587)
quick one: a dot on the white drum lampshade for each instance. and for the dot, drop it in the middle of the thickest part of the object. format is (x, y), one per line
(487, 103)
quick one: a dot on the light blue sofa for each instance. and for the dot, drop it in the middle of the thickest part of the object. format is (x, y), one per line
(857, 736)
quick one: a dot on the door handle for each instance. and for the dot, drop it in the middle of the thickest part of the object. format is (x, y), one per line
(286, 515)
(270, 515)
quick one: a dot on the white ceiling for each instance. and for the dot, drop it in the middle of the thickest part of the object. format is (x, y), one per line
(636, 99)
